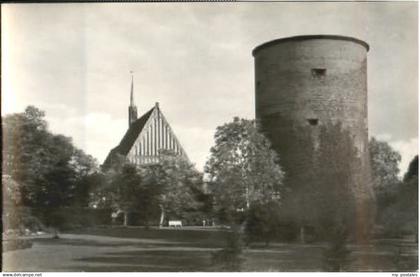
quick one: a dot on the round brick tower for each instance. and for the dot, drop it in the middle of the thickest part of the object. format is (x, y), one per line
(305, 82)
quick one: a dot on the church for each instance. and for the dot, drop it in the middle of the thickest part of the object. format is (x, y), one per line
(145, 138)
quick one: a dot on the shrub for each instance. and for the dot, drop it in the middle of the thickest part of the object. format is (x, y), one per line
(265, 222)
(16, 244)
(336, 256)
(74, 217)
(21, 219)
(229, 258)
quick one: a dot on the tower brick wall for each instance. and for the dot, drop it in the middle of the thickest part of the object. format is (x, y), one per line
(305, 82)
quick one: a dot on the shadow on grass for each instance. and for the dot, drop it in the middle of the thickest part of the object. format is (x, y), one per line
(97, 243)
(180, 235)
(196, 238)
(125, 268)
(79, 242)
(190, 251)
(156, 260)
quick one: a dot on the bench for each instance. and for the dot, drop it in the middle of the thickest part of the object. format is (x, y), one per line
(175, 223)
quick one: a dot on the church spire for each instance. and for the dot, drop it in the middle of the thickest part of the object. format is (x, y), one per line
(132, 91)
(132, 109)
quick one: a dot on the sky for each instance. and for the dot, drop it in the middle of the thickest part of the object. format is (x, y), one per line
(74, 60)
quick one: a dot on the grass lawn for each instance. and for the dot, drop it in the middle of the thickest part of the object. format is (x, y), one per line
(136, 249)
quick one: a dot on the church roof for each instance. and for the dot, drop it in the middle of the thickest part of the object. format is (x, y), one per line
(129, 138)
(147, 136)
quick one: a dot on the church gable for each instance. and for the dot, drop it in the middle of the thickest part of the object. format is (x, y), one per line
(145, 137)
(156, 135)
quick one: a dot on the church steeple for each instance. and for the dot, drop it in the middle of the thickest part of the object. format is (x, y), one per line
(132, 109)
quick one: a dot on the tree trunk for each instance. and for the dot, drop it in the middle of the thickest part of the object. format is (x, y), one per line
(247, 198)
(302, 234)
(55, 236)
(162, 216)
(125, 219)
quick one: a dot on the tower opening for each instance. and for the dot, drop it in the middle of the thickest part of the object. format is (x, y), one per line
(313, 121)
(318, 72)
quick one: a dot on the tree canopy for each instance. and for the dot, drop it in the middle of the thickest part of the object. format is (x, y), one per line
(172, 186)
(413, 169)
(242, 168)
(384, 163)
(335, 190)
(50, 170)
(179, 182)
(400, 216)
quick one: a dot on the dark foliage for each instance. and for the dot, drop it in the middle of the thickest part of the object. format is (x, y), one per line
(16, 244)
(384, 161)
(49, 171)
(263, 222)
(413, 169)
(153, 193)
(337, 255)
(400, 217)
(230, 257)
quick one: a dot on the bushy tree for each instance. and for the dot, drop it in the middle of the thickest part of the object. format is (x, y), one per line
(413, 170)
(336, 182)
(50, 171)
(301, 189)
(397, 199)
(384, 162)
(409, 197)
(337, 255)
(230, 257)
(263, 222)
(126, 190)
(171, 186)
(341, 187)
(242, 169)
(179, 184)
(333, 193)
(401, 215)
(12, 201)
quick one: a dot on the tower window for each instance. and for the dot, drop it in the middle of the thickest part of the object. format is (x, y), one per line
(318, 72)
(313, 121)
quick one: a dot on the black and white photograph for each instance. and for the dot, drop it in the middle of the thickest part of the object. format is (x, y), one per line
(210, 137)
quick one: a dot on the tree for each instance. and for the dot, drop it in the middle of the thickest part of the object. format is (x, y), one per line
(47, 167)
(242, 169)
(335, 199)
(401, 215)
(128, 192)
(346, 202)
(12, 202)
(342, 185)
(263, 222)
(384, 163)
(172, 186)
(124, 187)
(230, 257)
(409, 197)
(328, 196)
(179, 184)
(413, 170)
(299, 207)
